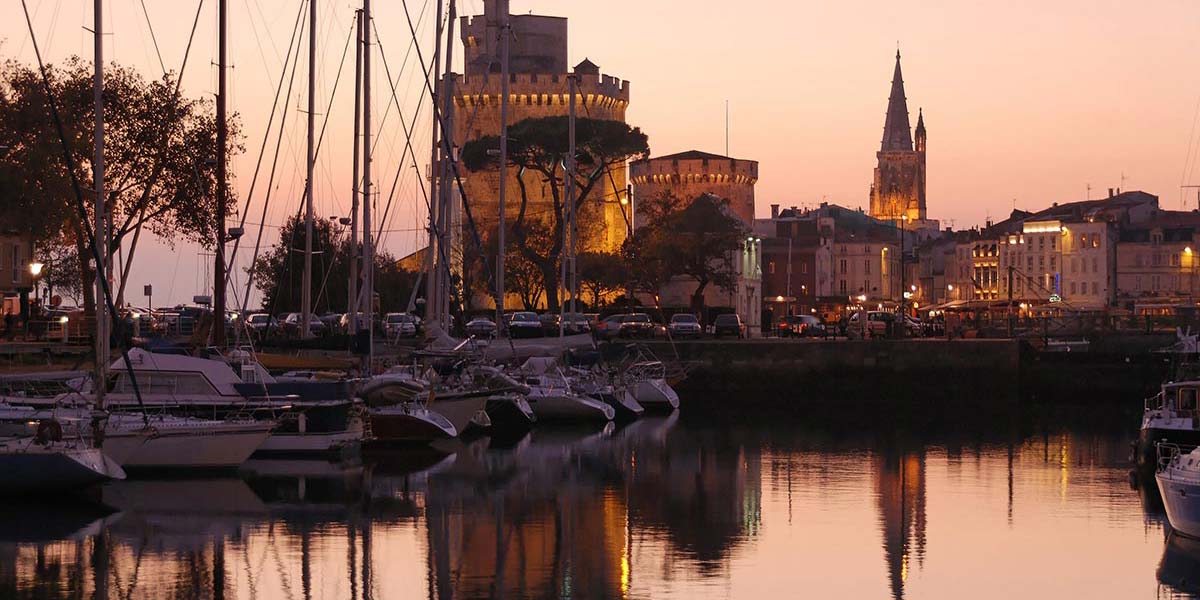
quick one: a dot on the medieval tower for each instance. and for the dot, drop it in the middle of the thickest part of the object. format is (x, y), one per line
(898, 192)
(538, 87)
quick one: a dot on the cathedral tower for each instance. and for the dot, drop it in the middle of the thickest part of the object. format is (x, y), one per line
(899, 188)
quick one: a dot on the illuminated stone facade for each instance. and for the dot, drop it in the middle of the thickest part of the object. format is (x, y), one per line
(692, 173)
(898, 190)
(538, 87)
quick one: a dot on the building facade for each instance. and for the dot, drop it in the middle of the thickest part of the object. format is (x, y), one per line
(898, 190)
(538, 87)
(1157, 263)
(689, 174)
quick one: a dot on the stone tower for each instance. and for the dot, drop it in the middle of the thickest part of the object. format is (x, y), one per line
(692, 173)
(538, 87)
(899, 187)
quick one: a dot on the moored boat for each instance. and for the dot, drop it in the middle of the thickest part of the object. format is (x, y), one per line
(408, 423)
(41, 464)
(1171, 416)
(1178, 478)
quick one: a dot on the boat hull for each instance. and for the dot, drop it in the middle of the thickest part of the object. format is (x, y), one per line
(555, 406)
(655, 395)
(459, 411)
(25, 469)
(207, 446)
(334, 442)
(510, 414)
(408, 424)
(1181, 499)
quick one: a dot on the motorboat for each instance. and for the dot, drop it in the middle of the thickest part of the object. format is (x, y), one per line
(408, 422)
(1178, 478)
(47, 463)
(551, 395)
(151, 441)
(1171, 416)
(647, 382)
(305, 416)
(510, 413)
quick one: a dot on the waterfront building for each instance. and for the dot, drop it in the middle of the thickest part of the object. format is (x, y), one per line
(691, 173)
(1156, 264)
(898, 189)
(694, 175)
(16, 276)
(797, 262)
(538, 87)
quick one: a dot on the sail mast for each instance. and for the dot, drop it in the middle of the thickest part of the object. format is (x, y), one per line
(436, 164)
(101, 303)
(368, 249)
(218, 336)
(306, 285)
(502, 5)
(352, 297)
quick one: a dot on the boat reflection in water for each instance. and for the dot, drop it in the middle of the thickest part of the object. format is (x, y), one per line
(657, 508)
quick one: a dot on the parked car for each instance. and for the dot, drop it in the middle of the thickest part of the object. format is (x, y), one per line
(801, 326)
(261, 325)
(524, 324)
(333, 323)
(684, 325)
(729, 324)
(608, 328)
(549, 323)
(576, 323)
(877, 323)
(481, 327)
(291, 325)
(637, 325)
(398, 325)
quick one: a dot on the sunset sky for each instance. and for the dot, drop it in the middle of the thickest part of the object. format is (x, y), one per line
(1026, 103)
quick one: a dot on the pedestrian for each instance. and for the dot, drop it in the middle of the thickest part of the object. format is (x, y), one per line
(10, 324)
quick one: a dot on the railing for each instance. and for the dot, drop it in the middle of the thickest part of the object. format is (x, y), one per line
(1169, 455)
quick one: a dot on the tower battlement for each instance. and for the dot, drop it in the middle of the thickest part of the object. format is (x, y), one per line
(542, 89)
(689, 174)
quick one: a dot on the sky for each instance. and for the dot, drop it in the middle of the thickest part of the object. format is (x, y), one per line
(1026, 102)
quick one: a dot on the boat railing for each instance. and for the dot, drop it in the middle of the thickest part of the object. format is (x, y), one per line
(1170, 453)
(1154, 402)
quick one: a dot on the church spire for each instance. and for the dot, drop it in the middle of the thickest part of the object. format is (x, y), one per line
(896, 132)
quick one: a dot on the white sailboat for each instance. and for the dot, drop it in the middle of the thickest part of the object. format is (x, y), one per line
(1178, 478)
(551, 397)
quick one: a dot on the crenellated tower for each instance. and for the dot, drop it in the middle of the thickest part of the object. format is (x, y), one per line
(898, 191)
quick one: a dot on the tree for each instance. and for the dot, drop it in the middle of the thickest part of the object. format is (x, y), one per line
(601, 274)
(278, 273)
(160, 168)
(539, 145)
(698, 241)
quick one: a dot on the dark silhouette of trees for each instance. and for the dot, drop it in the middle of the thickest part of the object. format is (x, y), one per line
(160, 160)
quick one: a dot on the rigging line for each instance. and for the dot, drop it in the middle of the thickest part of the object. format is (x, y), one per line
(271, 176)
(158, 165)
(388, 108)
(453, 161)
(267, 133)
(106, 290)
(153, 38)
(611, 180)
(408, 145)
(1187, 159)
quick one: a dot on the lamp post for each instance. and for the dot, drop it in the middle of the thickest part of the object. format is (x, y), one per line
(903, 291)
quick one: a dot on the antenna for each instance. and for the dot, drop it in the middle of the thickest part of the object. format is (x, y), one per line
(1195, 187)
(1089, 190)
(726, 127)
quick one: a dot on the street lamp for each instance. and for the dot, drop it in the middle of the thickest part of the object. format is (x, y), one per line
(35, 269)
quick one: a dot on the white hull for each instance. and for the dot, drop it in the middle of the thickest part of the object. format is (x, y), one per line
(200, 444)
(27, 467)
(310, 442)
(556, 405)
(655, 394)
(1181, 498)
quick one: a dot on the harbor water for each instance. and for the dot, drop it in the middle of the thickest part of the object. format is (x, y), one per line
(681, 506)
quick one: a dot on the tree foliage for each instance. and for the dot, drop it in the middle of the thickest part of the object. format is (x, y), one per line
(698, 240)
(279, 272)
(601, 274)
(159, 154)
(539, 145)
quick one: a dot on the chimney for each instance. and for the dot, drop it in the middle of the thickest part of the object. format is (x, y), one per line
(774, 211)
(1110, 192)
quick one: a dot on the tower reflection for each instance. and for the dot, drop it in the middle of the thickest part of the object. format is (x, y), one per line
(900, 492)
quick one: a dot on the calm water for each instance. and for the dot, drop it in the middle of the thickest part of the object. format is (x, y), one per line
(658, 509)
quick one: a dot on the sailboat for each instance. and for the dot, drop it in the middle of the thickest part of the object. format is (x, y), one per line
(33, 464)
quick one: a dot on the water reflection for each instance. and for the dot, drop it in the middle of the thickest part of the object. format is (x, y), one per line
(659, 508)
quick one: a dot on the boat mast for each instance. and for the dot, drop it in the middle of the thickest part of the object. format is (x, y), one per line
(436, 164)
(218, 336)
(368, 249)
(446, 188)
(306, 285)
(352, 298)
(101, 303)
(502, 6)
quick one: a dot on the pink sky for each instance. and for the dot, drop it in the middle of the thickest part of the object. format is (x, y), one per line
(1025, 103)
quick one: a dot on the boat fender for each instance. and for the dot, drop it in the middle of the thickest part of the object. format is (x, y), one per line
(48, 431)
